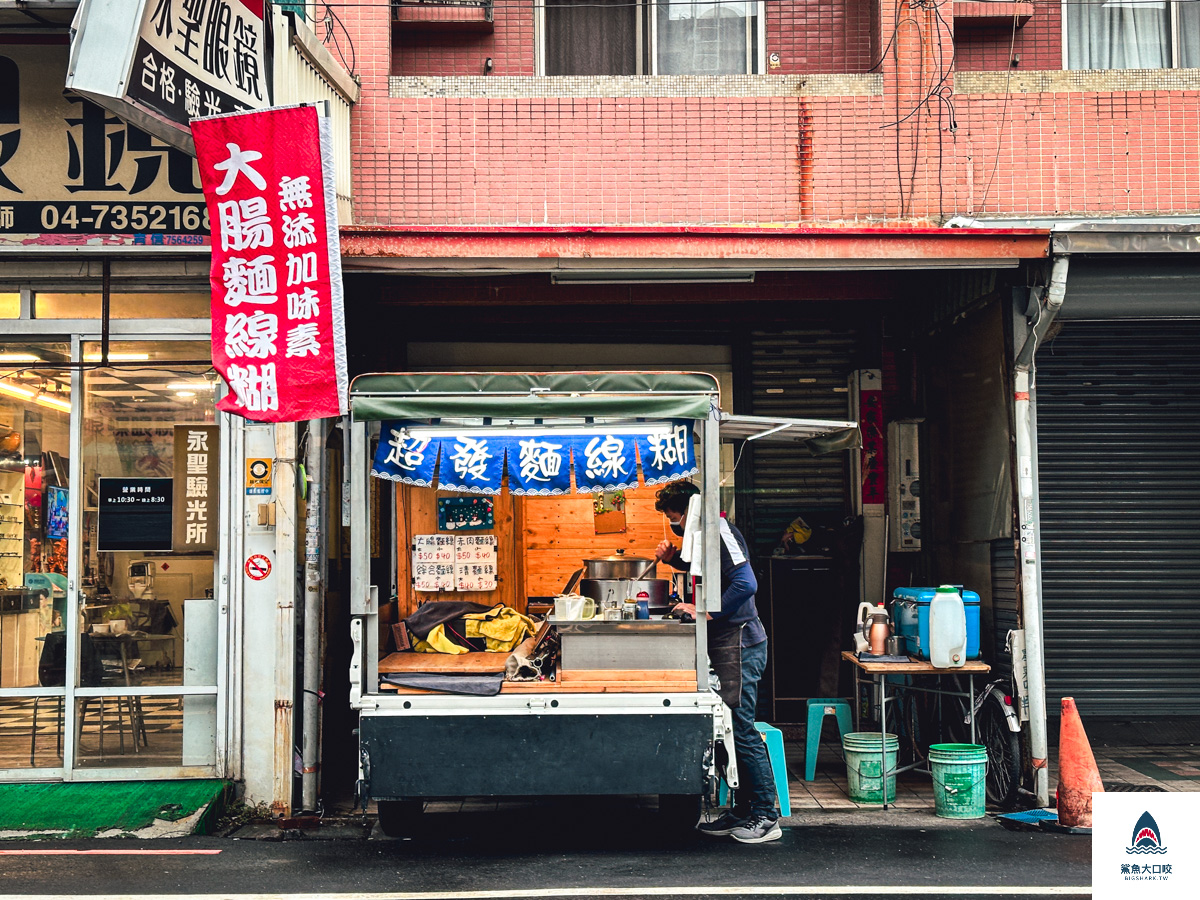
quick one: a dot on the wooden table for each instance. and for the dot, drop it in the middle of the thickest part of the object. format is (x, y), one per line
(877, 672)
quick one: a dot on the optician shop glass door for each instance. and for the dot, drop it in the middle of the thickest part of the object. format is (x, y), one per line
(110, 616)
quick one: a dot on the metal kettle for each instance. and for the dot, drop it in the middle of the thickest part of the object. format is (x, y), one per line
(874, 628)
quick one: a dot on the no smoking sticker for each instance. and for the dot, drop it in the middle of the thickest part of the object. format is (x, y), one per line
(258, 567)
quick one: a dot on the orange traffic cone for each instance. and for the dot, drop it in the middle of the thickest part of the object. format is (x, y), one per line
(1078, 776)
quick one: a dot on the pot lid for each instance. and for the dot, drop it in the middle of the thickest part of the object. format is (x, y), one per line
(619, 556)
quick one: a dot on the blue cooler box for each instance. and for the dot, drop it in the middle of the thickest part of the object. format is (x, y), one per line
(910, 612)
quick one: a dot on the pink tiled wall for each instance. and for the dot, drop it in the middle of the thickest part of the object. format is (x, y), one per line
(1038, 43)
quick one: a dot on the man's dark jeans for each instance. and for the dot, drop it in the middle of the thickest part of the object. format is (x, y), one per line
(756, 796)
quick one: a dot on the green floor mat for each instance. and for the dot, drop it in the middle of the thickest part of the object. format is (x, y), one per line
(87, 809)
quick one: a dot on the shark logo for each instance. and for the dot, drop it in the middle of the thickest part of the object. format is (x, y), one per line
(1146, 836)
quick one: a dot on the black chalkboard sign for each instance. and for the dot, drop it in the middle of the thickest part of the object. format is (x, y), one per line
(134, 514)
(465, 514)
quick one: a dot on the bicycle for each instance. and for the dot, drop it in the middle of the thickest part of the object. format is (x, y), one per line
(925, 717)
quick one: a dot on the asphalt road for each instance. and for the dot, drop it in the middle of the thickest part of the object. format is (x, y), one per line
(548, 854)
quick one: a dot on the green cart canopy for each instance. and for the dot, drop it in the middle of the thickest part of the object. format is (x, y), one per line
(532, 395)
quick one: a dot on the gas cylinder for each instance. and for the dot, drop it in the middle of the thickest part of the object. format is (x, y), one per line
(947, 628)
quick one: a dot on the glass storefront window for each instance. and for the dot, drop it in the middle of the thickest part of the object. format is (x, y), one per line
(147, 612)
(10, 306)
(32, 732)
(146, 731)
(35, 419)
(121, 306)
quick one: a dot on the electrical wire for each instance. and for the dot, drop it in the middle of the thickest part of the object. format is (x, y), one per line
(1003, 118)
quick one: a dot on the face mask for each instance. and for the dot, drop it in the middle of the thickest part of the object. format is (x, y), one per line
(677, 527)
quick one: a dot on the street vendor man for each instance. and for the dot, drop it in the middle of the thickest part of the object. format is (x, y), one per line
(735, 631)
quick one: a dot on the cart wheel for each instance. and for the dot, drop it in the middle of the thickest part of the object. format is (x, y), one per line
(1003, 750)
(679, 811)
(400, 818)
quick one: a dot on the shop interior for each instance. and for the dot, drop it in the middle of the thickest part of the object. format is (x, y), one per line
(142, 611)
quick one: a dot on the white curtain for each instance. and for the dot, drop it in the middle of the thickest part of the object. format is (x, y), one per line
(1108, 34)
(1189, 35)
(698, 38)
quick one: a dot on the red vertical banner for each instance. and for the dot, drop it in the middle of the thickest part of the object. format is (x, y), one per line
(278, 328)
(874, 446)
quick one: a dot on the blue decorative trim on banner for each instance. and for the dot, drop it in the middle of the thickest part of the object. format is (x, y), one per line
(474, 465)
(668, 457)
(539, 466)
(604, 462)
(401, 458)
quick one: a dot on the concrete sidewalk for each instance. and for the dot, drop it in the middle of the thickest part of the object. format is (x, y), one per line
(1148, 754)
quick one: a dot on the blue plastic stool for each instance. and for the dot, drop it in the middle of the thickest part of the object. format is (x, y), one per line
(818, 709)
(774, 738)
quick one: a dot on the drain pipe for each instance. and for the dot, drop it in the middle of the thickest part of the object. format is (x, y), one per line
(1028, 514)
(314, 467)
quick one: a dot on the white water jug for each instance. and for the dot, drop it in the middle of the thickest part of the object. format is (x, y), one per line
(947, 628)
(861, 644)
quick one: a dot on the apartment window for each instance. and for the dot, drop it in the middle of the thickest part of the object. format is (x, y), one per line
(1132, 34)
(651, 37)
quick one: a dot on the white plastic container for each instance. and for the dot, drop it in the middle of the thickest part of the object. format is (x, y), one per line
(947, 628)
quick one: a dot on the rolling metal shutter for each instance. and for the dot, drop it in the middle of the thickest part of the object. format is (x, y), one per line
(799, 373)
(1005, 615)
(1118, 406)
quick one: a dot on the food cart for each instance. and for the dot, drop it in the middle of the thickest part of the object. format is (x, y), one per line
(630, 708)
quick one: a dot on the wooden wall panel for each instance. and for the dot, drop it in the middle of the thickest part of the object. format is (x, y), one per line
(416, 513)
(558, 533)
(540, 541)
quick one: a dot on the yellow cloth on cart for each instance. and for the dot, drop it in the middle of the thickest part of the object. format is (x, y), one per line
(437, 642)
(502, 629)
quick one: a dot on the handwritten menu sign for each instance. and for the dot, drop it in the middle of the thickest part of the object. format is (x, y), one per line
(475, 562)
(433, 562)
(445, 562)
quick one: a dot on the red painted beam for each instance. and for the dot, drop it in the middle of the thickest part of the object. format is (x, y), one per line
(691, 244)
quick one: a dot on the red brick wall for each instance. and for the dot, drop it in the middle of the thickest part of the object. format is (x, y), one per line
(811, 36)
(563, 160)
(1058, 154)
(820, 36)
(761, 160)
(1038, 43)
(510, 46)
(767, 160)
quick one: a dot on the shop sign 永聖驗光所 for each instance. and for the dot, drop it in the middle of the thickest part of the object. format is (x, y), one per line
(197, 487)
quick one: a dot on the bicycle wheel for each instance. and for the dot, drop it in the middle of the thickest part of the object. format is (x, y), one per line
(1003, 750)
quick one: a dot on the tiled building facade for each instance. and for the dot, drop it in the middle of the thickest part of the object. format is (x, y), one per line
(855, 111)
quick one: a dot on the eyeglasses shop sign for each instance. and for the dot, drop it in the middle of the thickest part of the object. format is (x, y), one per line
(177, 58)
(73, 173)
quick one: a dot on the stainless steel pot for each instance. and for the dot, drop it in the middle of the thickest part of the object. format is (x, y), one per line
(616, 566)
(621, 589)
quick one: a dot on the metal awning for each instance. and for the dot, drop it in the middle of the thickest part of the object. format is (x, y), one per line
(820, 436)
(674, 253)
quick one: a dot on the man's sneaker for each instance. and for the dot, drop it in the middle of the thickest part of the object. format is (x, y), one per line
(757, 830)
(723, 824)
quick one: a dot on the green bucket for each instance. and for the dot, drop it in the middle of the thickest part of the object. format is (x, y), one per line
(959, 775)
(864, 758)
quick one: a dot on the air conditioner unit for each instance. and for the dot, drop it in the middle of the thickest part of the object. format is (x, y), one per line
(904, 487)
